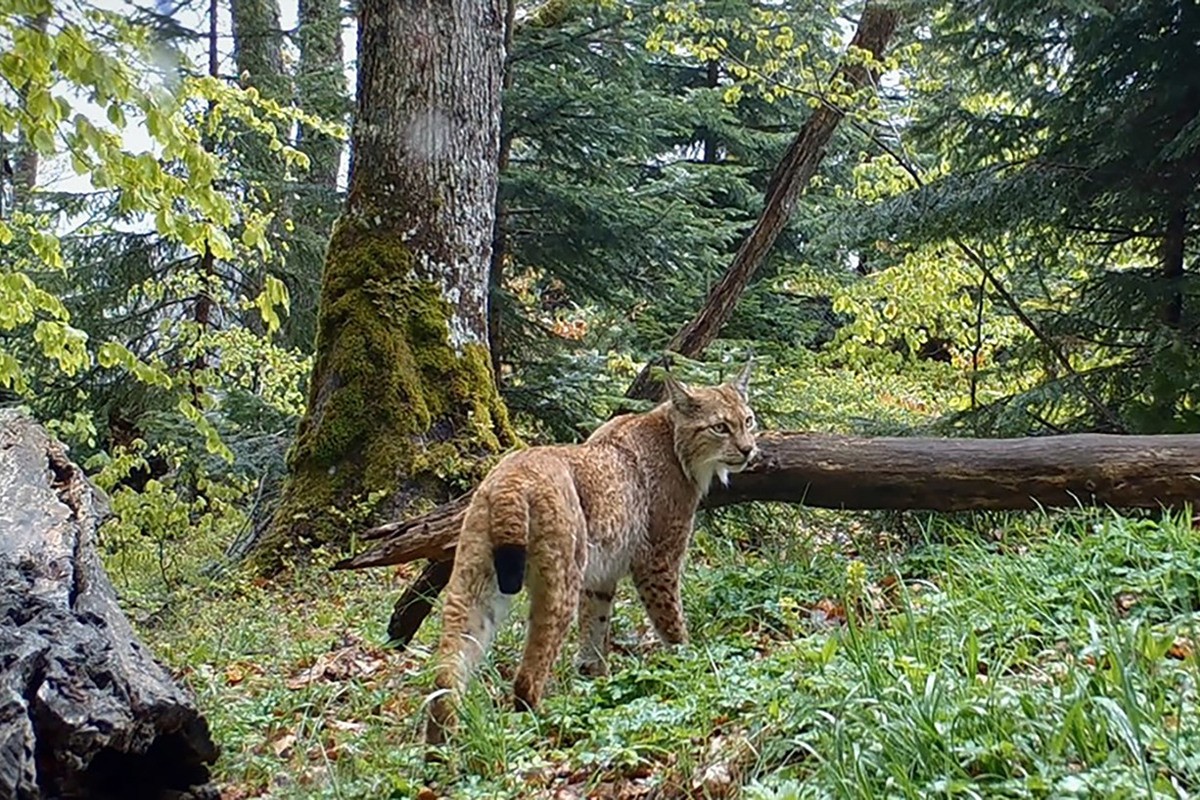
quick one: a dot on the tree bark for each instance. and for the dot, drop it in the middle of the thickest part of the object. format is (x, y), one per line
(85, 710)
(1174, 246)
(791, 175)
(930, 474)
(320, 90)
(499, 225)
(402, 403)
(20, 158)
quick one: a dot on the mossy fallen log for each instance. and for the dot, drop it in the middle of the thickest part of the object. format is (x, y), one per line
(85, 710)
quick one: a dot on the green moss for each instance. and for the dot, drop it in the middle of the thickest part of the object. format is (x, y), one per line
(392, 405)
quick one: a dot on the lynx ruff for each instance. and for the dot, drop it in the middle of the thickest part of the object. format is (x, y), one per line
(569, 521)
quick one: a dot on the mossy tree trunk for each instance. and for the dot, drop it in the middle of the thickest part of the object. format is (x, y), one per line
(402, 403)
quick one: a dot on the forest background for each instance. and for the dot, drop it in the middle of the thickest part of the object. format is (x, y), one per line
(168, 195)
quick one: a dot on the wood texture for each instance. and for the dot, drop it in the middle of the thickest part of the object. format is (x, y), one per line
(970, 474)
(85, 710)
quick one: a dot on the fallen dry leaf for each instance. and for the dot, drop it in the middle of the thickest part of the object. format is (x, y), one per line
(239, 792)
(1125, 601)
(282, 746)
(827, 613)
(1181, 648)
(427, 794)
(724, 759)
(339, 665)
(236, 672)
(346, 725)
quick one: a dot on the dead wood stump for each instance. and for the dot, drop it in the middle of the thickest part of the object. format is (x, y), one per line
(85, 710)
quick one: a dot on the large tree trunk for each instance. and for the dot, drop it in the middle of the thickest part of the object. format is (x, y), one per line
(402, 401)
(931, 474)
(791, 175)
(85, 710)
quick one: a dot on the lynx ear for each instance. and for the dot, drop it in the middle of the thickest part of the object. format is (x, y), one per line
(742, 381)
(678, 394)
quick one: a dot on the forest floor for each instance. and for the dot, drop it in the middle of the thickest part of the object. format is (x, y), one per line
(832, 656)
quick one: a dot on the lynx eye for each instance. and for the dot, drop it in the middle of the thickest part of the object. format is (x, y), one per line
(750, 423)
(721, 428)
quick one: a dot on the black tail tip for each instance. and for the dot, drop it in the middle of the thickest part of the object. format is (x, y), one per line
(509, 560)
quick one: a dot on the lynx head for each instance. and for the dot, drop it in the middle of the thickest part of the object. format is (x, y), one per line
(714, 428)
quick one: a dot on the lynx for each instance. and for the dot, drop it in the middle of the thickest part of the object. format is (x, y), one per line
(569, 521)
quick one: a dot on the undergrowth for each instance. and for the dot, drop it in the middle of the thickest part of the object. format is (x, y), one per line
(1010, 656)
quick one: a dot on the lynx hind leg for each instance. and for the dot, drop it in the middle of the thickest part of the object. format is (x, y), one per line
(595, 624)
(473, 612)
(557, 557)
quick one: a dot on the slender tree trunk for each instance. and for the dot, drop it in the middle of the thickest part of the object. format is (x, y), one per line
(499, 239)
(258, 47)
(23, 158)
(321, 91)
(1173, 247)
(203, 308)
(791, 175)
(402, 402)
(712, 81)
(25, 174)
(321, 86)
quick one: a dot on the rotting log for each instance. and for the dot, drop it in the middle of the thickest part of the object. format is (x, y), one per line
(856, 473)
(85, 710)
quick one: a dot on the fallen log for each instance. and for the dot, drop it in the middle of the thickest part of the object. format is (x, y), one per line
(904, 473)
(855, 473)
(85, 710)
(943, 474)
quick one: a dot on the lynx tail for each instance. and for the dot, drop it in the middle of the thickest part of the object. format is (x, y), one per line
(509, 532)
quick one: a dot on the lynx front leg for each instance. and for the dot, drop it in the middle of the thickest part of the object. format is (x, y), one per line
(657, 578)
(595, 620)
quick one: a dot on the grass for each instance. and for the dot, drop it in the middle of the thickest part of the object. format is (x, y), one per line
(1011, 656)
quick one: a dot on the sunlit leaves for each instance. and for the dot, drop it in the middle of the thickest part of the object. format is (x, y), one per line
(274, 295)
(930, 294)
(771, 52)
(84, 84)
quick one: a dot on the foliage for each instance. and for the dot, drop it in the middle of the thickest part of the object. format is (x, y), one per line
(1018, 656)
(627, 194)
(1065, 150)
(152, 318)
(142, 276)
